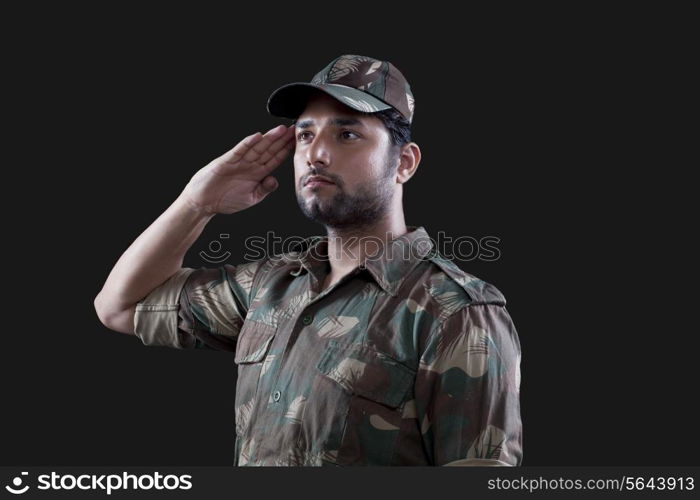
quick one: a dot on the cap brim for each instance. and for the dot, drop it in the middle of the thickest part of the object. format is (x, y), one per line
(290, 100)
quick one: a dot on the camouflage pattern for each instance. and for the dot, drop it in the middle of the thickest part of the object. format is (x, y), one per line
(404, 361)
(361, 82)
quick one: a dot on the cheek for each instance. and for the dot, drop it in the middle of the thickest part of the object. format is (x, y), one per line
(297, 161)
(377, 163)
(298, 173)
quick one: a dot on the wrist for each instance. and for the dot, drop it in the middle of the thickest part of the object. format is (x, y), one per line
(191, 210)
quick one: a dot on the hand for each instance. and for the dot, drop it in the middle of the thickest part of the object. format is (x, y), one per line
(240, 178)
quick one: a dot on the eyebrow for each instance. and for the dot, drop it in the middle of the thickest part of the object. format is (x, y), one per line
(338, 122)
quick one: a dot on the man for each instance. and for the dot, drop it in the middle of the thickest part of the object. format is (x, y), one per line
(348, 353)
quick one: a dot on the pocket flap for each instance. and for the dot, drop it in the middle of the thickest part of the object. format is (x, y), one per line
(253, 341)
(362, 370)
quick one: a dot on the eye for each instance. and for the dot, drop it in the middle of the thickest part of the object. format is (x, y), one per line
(346, 134)
(349, 132)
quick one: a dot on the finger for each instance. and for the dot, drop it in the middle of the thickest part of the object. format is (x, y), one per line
(279, 157)
(253, 154)
(277, 145)
(276, 142)
(241, 148)
(278, 153)
(266, 186)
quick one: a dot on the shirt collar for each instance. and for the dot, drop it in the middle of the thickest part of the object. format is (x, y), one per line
(389, 268)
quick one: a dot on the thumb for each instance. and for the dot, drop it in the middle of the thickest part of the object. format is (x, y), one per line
(266, 186)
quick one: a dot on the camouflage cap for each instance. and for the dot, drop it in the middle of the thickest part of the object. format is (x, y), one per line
(360, 82)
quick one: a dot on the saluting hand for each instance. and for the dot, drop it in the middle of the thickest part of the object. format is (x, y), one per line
(240, 178)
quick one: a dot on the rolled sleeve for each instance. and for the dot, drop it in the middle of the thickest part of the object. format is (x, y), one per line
(468, 390)
(156, 317)
(197, 308)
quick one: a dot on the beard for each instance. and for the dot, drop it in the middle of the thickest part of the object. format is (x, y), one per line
(345, 210)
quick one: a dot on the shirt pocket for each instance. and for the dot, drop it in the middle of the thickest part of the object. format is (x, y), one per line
(253, 342)
(375, 387)
(252, 347)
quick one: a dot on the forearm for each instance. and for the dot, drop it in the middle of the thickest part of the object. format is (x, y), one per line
(152, 258)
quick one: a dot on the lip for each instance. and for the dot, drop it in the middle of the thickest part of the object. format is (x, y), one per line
(317, 180)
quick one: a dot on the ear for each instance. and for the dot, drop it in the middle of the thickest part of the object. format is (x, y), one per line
(409, 159)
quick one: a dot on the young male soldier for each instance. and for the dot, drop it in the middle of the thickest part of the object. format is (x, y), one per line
(347, 353)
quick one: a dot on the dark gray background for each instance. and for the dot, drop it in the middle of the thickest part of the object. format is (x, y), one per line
(546, 135)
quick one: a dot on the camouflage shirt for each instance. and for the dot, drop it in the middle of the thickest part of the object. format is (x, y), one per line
(404, 361)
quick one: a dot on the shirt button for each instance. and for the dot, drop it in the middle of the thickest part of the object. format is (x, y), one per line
(307, 319)
(276, 396)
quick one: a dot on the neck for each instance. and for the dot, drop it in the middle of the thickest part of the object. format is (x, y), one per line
(348, 247)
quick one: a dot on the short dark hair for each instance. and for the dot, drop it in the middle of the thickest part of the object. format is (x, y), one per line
(399, 128)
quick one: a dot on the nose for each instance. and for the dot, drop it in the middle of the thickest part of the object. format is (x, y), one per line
(317, 153)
